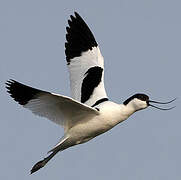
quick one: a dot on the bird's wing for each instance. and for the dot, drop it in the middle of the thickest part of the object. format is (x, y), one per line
(85, 63)
(60, 109)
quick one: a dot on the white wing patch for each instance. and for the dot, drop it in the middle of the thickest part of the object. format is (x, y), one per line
(61, 110)
(78, 68)
(45, 107)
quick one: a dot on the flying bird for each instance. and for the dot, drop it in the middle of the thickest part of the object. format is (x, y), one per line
(89, 112)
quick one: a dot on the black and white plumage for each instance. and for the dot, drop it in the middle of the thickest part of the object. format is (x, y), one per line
(61, 110)
(85, 62)
(88, 113)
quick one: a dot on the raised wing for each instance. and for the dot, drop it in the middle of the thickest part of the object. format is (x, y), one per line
(61, 110)
(85, 63)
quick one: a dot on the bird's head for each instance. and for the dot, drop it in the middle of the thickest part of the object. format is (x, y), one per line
(141, 101)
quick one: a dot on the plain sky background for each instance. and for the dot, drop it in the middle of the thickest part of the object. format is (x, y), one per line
(141, 44)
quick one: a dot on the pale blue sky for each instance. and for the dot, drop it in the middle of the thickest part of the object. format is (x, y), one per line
(140, 41)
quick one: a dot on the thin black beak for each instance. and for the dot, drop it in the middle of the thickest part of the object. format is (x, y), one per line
(157, 102)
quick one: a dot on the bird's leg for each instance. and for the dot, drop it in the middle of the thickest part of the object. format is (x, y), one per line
(43, 162)
(62, 145)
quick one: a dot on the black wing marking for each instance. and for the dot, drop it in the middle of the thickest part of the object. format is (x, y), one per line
(79, 38)
(90, 82)
(20, 92)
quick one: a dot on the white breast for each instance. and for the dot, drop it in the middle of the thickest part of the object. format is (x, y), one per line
(110, 115)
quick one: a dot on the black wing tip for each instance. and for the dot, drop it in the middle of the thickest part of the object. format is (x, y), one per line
(79, 37)
(9, 84)
(76, 14)
(10, 81)
(20, 92)
(73, 18)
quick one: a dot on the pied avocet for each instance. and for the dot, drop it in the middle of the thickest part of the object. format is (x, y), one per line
(89, 112)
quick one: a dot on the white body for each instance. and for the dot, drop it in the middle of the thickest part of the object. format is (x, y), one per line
(99, 124)
(110, 114)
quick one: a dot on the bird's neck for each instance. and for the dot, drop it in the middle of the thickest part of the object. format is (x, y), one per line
(127, 111)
